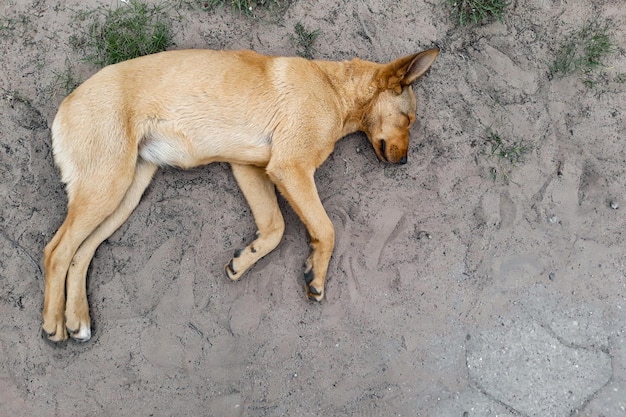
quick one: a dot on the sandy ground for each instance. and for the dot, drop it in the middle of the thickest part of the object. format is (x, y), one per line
(450, 293)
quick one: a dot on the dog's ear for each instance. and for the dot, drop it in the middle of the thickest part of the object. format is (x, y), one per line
(418, 65)
(404, 71)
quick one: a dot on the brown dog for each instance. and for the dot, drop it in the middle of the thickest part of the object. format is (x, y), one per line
(274, 119)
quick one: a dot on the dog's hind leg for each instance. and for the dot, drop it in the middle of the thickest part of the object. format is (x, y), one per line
(77, 319)
(94, 191)
(260, 193)
(298, 187)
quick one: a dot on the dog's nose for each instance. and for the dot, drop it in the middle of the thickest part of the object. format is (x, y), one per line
(402, 160)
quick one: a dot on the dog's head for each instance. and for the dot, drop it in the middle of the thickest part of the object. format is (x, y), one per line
(391, 113)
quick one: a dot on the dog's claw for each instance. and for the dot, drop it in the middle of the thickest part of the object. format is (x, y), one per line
(314, 294)
(51, 340)
(308, 276)
(81, 335)
(314, 290)
(47, 335)
(54, 329)
(229, 269)
(54, 336)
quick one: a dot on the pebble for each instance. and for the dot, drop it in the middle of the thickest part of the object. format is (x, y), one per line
(614, 205)
(422, 233)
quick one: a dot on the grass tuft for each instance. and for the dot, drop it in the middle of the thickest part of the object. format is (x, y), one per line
(583, 52)
(66, 81)
(134, 29)
(242, 6)
(477, 11)
(506, 155)
(303, 40)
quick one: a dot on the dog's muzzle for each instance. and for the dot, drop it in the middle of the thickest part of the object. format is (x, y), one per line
(384, 157)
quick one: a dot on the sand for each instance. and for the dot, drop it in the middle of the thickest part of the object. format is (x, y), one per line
(460, 285)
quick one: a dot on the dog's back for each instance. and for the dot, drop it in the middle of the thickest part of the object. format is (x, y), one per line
(180, 108)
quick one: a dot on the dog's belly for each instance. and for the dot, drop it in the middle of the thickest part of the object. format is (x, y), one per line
(168, 146)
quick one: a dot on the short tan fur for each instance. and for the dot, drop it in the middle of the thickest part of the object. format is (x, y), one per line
(274, 119)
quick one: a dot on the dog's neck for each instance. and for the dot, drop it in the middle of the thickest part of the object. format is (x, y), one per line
(355, 85)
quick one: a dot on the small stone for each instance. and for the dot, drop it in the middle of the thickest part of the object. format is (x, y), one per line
(423, 234)
(551, 276)
(614, 205)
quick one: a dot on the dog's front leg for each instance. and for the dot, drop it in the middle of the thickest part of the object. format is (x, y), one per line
(260, 194)
(297, 184)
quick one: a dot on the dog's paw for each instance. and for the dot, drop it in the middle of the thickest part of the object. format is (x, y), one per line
(313, 291)
(77, 320)
(229, 268)
(81, 333)
(54, 331)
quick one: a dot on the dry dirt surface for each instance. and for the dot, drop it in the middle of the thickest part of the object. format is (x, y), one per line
(461, 285)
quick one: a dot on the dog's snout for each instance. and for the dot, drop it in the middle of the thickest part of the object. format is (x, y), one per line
(391, 153)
